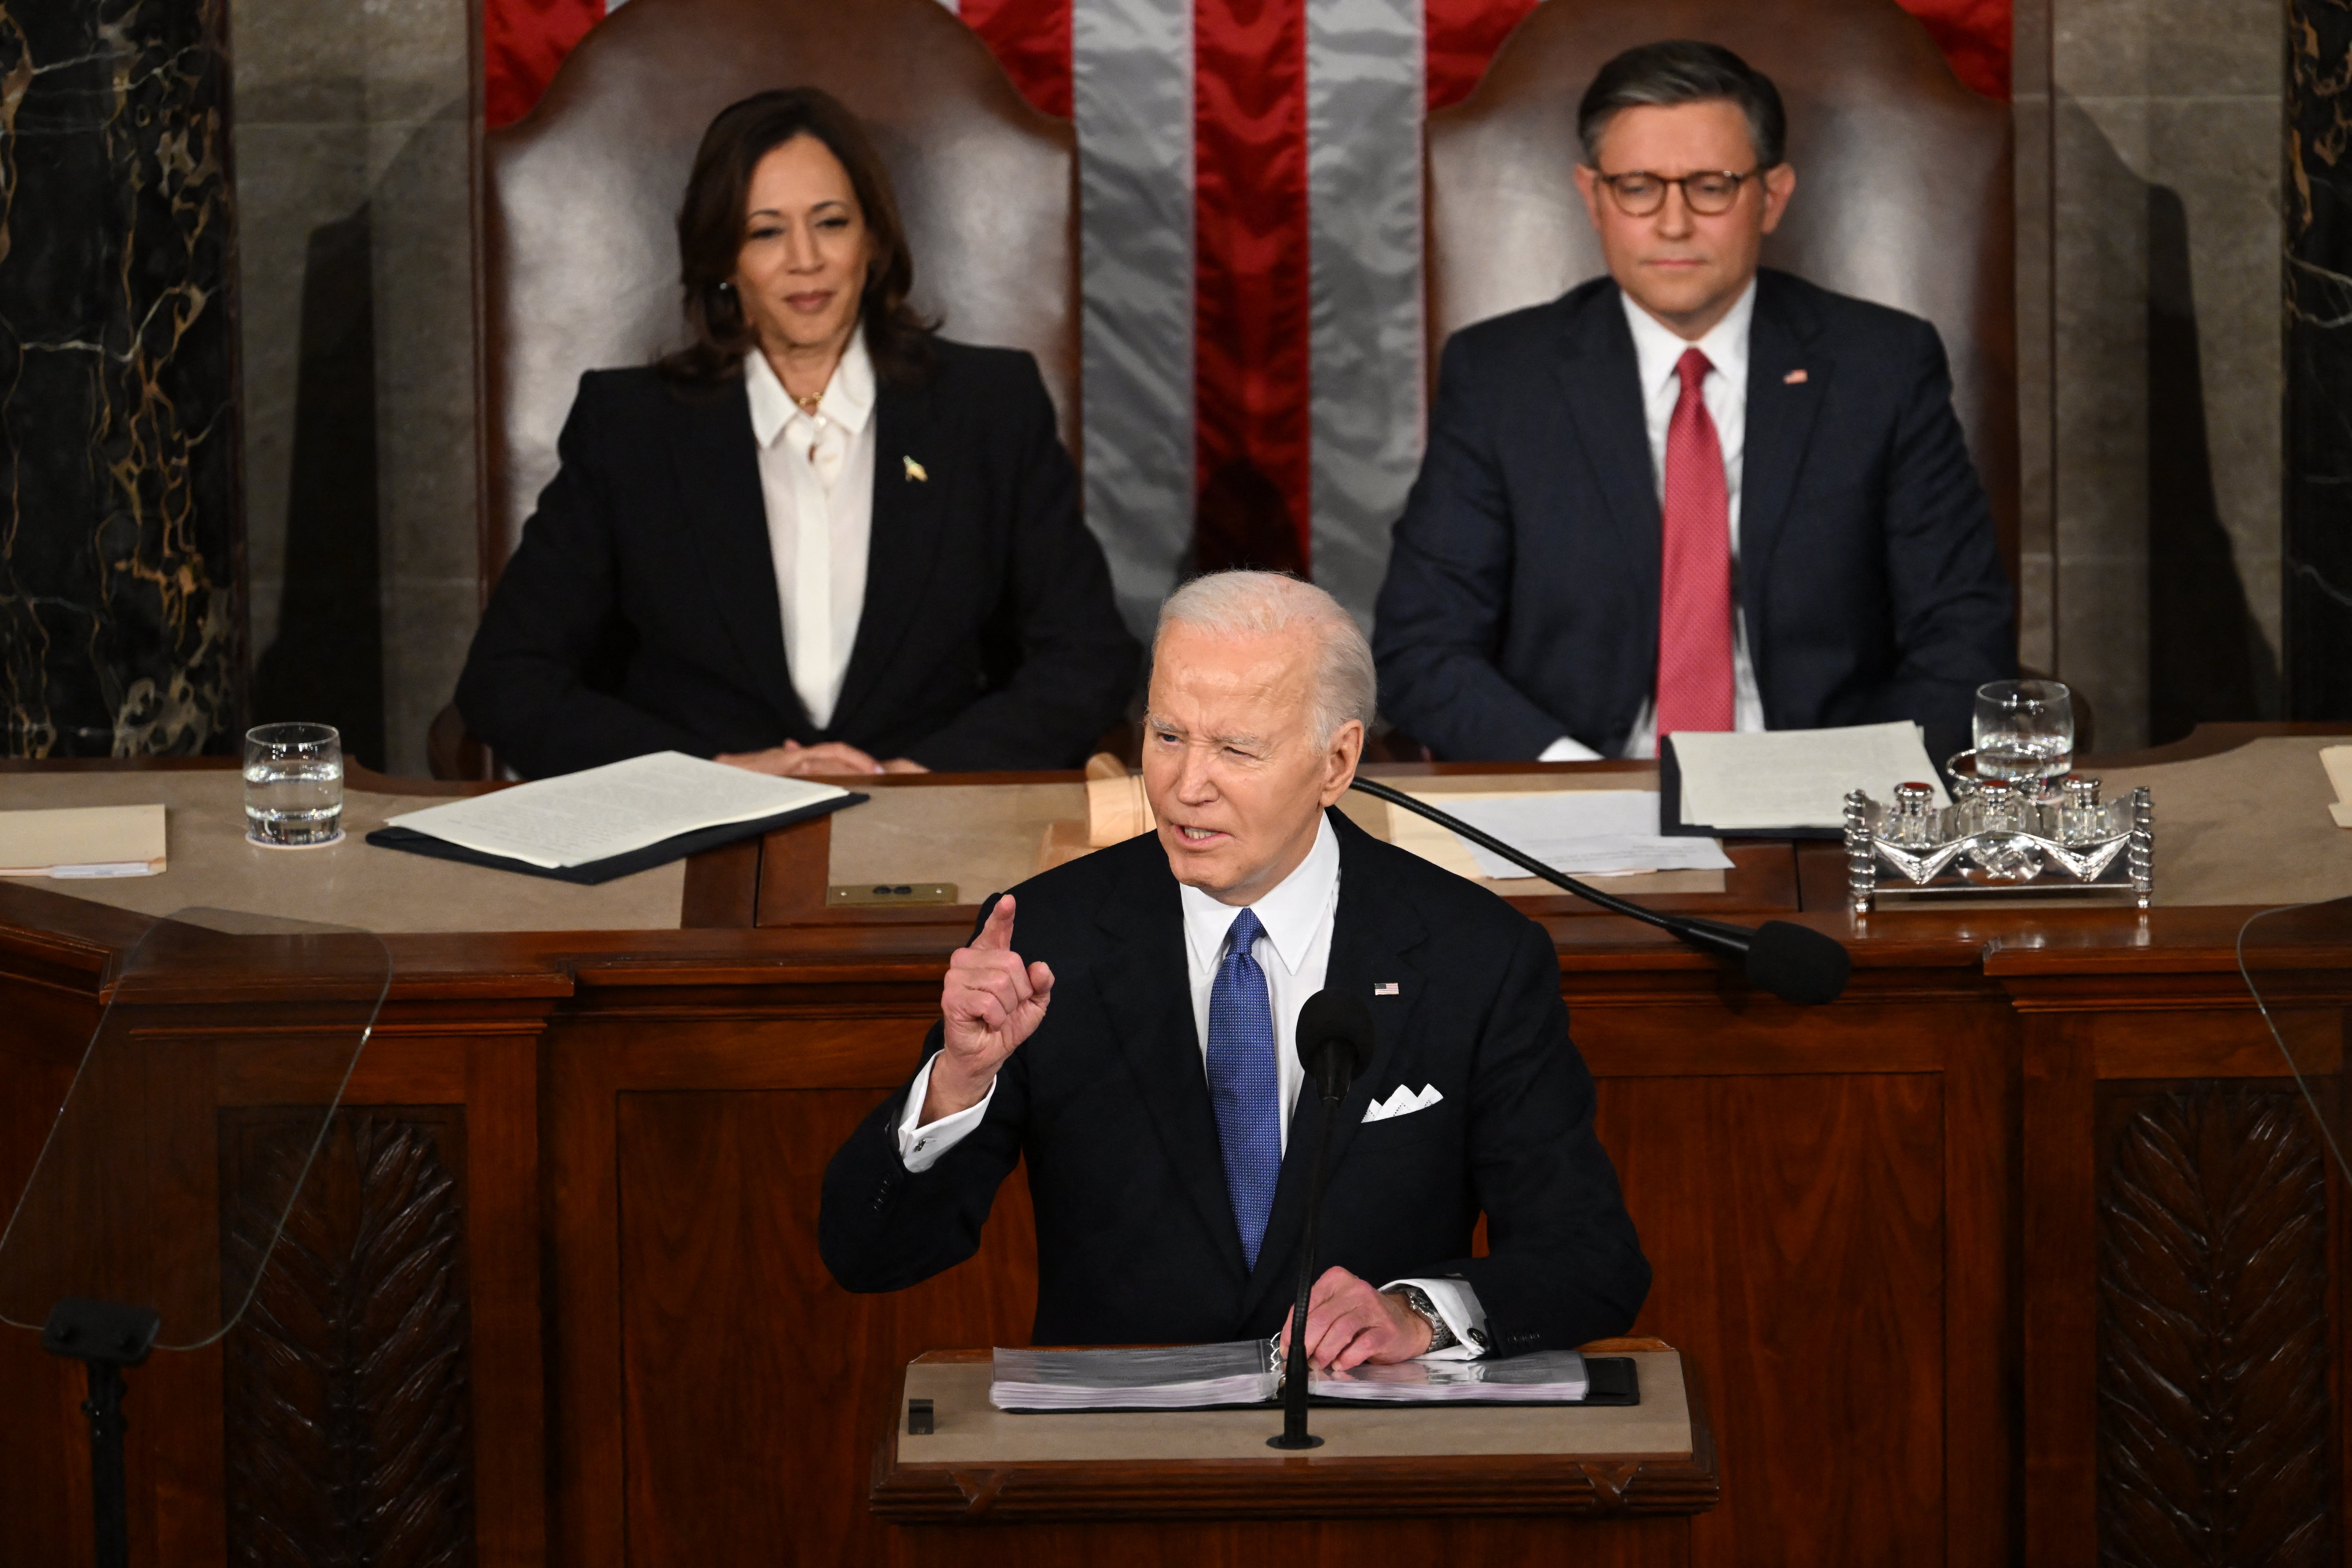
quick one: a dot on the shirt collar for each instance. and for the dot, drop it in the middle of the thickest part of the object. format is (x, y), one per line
(1658, 349)
(1292, 914)
(848, 398)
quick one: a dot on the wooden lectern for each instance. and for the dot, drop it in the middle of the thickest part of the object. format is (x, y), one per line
(1498, 1486)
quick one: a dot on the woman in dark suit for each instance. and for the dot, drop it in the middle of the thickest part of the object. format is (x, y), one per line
(818, 540)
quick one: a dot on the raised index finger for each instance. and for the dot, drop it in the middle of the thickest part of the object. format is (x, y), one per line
(997, 933)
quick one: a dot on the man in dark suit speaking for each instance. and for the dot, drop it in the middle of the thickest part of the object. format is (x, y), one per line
(1691, 495)
(1131, 1037)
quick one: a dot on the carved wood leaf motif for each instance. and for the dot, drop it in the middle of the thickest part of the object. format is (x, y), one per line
(2214, 1408)
(347, 1408)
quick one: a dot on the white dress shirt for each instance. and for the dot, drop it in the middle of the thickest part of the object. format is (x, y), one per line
(1292, 949)
(1657, 351)
(816, 480)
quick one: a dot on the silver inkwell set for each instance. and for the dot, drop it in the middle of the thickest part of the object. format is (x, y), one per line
(2021, 822)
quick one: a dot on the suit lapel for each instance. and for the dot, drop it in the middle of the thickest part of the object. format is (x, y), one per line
(903, 546)
(1780, 343)
(1599, 382)
(1146, 990)
(1372, 936)
(718, 475)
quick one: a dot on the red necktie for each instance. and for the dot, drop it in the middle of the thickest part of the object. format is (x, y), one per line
(1695, 590)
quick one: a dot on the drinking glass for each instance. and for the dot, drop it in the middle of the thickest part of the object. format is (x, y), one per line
(2024, 731)
(293, 785)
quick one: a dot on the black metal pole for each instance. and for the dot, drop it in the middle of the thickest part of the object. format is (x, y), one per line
(1295, 1374)
(109, 1503)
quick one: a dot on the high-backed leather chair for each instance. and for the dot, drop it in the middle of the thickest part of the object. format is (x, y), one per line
(1903, 182)
(580, 200)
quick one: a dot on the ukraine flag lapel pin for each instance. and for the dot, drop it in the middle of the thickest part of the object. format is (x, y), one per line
(915, 470)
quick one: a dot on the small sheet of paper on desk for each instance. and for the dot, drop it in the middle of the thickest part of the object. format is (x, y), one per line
(1581, 832)
(2337, 761)
(576, 819)
(1797, 778)
(83, 841)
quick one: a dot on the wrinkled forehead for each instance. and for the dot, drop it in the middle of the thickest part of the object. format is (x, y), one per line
(1227, 684)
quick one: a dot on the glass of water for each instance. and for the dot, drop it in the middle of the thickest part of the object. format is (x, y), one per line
(293, 785)
(2024, 731)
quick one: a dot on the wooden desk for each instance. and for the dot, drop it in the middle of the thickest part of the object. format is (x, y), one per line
(601, 1317)
(1494, 1487)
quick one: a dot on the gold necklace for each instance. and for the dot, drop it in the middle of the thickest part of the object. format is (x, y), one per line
(807, 404)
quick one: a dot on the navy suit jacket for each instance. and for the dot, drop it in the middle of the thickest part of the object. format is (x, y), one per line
(639, 613)
(1522, 602)
(1108, 1103)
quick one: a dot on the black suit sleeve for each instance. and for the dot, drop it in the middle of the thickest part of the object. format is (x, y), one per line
(1953, 609)
(1439, 623)
(524, 690)
(1563, 1266)
(1076, 659)
(884, 1227)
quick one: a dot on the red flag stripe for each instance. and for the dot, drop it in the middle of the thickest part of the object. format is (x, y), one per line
(1250, 314)
(1031, 39)
(1463, 36)
(522, 43)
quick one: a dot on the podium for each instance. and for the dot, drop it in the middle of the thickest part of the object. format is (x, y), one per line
(1495, 1486)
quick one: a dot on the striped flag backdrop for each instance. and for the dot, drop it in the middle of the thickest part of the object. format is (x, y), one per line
(1250, 249)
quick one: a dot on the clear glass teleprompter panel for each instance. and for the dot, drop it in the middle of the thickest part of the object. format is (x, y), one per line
(2298, 963)
(192, 1119)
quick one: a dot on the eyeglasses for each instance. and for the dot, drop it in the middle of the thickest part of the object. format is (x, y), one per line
(1639, 193)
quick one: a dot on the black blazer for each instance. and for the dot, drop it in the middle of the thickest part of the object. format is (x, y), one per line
(639, 613)
(1522, 602)
(1109, 1103)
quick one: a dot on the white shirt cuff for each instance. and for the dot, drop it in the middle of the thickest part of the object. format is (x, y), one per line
(921, 1146)
(1458, 1304)
(1565, 750)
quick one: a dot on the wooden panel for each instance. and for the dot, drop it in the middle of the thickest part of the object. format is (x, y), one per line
(755, 1387)
(1795, 1227)
(1254, 1543)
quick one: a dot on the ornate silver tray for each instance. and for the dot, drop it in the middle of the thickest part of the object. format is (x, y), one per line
(2028, 838)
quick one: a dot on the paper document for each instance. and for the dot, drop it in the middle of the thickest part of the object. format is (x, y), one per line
(2337, 761)
(1249, 1372)
(1581, 832)
(82, 841)
(580, 818)
(1797, 778)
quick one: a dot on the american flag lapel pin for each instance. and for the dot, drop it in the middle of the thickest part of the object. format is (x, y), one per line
(1385, 989)
(1794, 378)
(915, 470)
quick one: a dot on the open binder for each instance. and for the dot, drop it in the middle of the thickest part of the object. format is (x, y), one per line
(1246, 1374)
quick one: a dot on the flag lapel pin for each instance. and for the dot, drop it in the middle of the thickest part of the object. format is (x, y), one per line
(1385, 988)
(1794, 378)
(915, 470)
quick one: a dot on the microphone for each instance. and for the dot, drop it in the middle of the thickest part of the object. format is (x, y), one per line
(1794, 962)
(1335, 1045)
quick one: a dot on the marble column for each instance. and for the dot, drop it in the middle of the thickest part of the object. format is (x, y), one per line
(119, 624)
(2318, 586)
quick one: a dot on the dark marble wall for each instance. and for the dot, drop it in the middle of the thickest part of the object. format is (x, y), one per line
(119, 603)
(2318, 579)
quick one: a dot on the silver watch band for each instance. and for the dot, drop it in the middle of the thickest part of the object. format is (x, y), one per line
(1441, 1337)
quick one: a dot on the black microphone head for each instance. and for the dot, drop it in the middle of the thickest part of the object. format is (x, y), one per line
(1797, 962)
(1336, 1018)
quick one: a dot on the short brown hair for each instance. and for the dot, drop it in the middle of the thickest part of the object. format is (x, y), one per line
(710, 237)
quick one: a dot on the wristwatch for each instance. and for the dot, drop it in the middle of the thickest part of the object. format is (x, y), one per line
(1417, 1299)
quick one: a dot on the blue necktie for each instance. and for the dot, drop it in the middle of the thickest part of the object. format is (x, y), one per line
(1244, 1084)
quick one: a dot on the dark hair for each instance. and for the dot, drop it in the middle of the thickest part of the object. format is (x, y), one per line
(1683, 71)
(710, 237)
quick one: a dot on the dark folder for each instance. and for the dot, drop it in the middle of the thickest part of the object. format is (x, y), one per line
(595, 871)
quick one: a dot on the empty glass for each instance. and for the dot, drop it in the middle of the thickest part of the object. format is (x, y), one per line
(293, 785)
(2024, 731)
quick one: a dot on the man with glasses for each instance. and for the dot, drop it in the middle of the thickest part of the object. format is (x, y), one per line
(1692, 495)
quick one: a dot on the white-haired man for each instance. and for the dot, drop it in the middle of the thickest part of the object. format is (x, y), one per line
(1135, 1044)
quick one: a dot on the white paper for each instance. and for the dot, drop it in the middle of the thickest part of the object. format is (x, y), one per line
(580, 818)
(1581, 832)
(1797, 778)
(82, 841)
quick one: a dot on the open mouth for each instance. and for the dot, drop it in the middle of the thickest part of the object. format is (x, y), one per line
(1199, 835)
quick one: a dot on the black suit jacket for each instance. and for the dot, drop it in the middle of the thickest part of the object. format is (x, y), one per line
(639, 613)
(1522, 602)
(1109, 1103)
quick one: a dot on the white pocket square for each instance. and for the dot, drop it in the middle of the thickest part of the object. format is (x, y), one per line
(1404, 1102)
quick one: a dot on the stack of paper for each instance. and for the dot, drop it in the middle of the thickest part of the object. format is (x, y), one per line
(597, 813)
(1795, 778)
(1547, 1378)
(82, 841)
(1581, 832)
(1183, 1377)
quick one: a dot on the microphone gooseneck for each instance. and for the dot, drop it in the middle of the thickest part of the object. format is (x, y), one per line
(1795, 963)
(1335, 1045)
